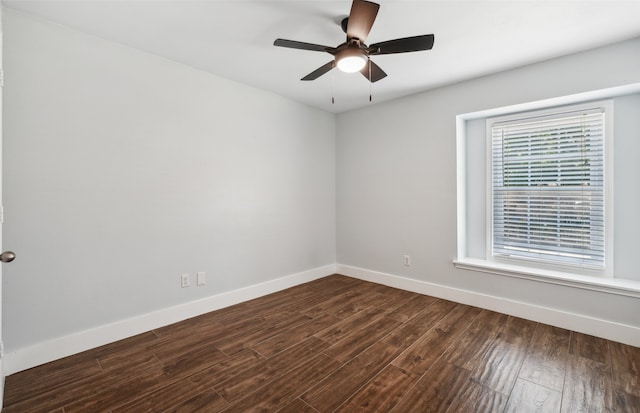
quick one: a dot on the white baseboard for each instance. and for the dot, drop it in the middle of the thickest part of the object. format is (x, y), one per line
(576, 322)
(40, 353)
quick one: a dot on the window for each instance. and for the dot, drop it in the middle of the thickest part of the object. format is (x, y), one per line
(548, 187)
(568, 237)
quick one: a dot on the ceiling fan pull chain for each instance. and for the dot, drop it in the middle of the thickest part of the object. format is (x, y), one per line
(333, 87)
(370, 82)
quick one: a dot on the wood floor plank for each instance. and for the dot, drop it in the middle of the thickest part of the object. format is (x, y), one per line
(351, 309)
(587, 386)
(340, 330)
(163, 399)
(624, 402)
(207, 401)
(188, 364)
(131, 351)
(546, 362)
(528, 397)
(625, 362)
(412, 307)
(283, 317)
(473, 343)
(232, 365)
(297, 406)
(419, 357)
(274, 345)
(435, 391)
(232, 345)
(380, 394)
(22, 387)
(339, 386)
(180, 368)
(477, 399)
(392, 298)
(331, 285)
(353, 344)
(370, 296)
(289, 301)
(174, 347)
(414, 328)
(334, 304)
(375, 299)
(67, 370)
(237, 386)
(499, 366)
(593, 348)
(517, 331)
(86, 387)
(281, 391)
(299, 300)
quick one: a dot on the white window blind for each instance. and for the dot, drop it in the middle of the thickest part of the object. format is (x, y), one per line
(548, 191)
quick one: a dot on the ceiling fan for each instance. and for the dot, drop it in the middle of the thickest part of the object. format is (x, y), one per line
(354, 55)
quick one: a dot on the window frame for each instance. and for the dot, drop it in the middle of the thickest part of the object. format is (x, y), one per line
(528, 262)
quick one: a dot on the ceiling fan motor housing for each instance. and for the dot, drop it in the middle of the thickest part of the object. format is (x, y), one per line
(344, 23)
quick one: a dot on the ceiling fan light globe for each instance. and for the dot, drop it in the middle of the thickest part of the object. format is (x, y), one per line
(352, 64)
(351, 59)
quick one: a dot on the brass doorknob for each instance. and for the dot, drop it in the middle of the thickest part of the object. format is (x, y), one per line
(7, 256)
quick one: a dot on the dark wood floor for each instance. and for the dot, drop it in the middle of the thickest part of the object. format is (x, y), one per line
(340, 345)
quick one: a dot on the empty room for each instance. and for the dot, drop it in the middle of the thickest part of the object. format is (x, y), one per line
(320, 206)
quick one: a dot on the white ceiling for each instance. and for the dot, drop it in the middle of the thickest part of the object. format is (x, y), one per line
(234, 39)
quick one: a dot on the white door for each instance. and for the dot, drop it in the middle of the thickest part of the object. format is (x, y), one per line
(6, 256)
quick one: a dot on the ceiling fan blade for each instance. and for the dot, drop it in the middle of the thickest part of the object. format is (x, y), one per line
(363, 14)
(373, 72)
(320, 71)
(406, 44)
(303, 46)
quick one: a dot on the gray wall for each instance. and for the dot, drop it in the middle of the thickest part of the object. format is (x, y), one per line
(396, 179)
(123, 170)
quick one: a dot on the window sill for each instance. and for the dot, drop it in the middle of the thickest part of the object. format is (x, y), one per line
(629, 288)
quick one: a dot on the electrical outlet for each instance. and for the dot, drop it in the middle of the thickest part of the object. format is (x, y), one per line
(184, 280)
(201, 278)
(406, 260)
